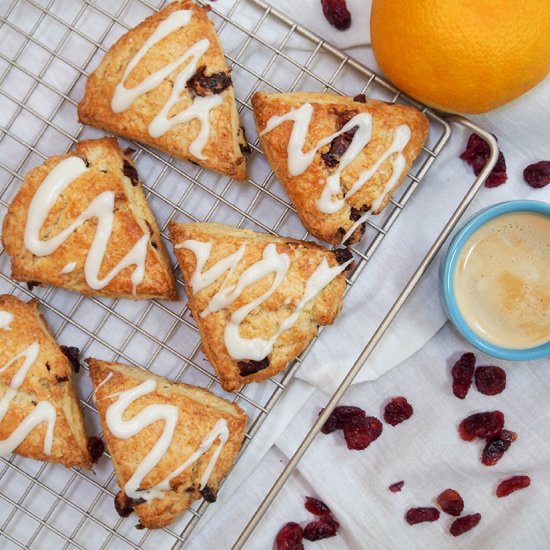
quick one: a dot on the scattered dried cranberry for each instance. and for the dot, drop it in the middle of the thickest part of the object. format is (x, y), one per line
(465, 523)
(290, 537)
(337, 14)
(538, 175)
(396, 487)
(496, 447)
(477, 154)
(462, 373)
(420, 515)
(316, 506)
(485, 424)
(397, 410)
(512, 484)
(451, 502)
(490, 380)
(339, 416)
(324, 528)
(360, 432)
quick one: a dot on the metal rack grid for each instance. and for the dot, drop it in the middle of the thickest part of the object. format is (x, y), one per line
(48, 49)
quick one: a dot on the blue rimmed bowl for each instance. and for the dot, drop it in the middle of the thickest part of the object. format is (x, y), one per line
(447, 271)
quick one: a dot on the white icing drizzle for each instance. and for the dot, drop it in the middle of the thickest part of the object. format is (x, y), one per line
(102, 208)
(272, 262)
(125, 429)
(6, 319)
(298, 161)
(101, 384)
(69, 268)
(199, 108)
(43, 412)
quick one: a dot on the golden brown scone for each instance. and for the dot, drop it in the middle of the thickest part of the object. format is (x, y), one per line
(265, 320)
(330, 114)
(111, 171)
(47, 385)
(226, 142)
(197, 412)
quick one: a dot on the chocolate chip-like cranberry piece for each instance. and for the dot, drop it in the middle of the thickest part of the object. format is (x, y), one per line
(208, 494)
(343, 255)
(125, 505)
(360, 98)
(246, 368)
(95, 447)
(202, 85)
(129, 170)
(72, 353)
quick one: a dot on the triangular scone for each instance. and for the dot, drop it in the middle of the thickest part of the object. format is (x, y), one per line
(166, 83)
(40, 416)
(346, 158)
(257, 299)
(81, 222)
(202, 435)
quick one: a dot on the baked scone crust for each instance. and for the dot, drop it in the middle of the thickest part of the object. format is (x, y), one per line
(107, 170)
(48, 379)
(304, 190)
(227, 141)
(199, 410)
(265, 320)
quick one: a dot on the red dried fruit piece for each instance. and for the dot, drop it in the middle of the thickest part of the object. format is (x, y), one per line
(538, 175)
(324, 528)
(420, 515)
(451, 502)
(490, 380)
(396, 487)
(397, 410)
(339, 416)
(496, 447)
(512, 484)
(463, 373)
(484, 425)
(337, 14)
(316, 506)
(360, 432)
(290, 537)
(465, 523)
(477, 154)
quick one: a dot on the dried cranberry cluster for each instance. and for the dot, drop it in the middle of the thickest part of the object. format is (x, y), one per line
(489, 379)
(291, 536)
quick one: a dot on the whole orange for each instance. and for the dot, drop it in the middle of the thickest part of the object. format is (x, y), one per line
(464, 56)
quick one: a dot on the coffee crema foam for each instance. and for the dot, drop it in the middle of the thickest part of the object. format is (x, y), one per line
(502, 280)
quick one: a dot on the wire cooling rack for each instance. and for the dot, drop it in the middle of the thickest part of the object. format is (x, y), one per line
(47, 49)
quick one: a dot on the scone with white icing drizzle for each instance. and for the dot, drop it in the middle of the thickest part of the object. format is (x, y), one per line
(40, 416)
(81, 222)
(165, 83)
(338, 158)
(257, 299)
(170, 443)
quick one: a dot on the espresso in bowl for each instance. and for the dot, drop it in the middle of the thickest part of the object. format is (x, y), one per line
(495, 280)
